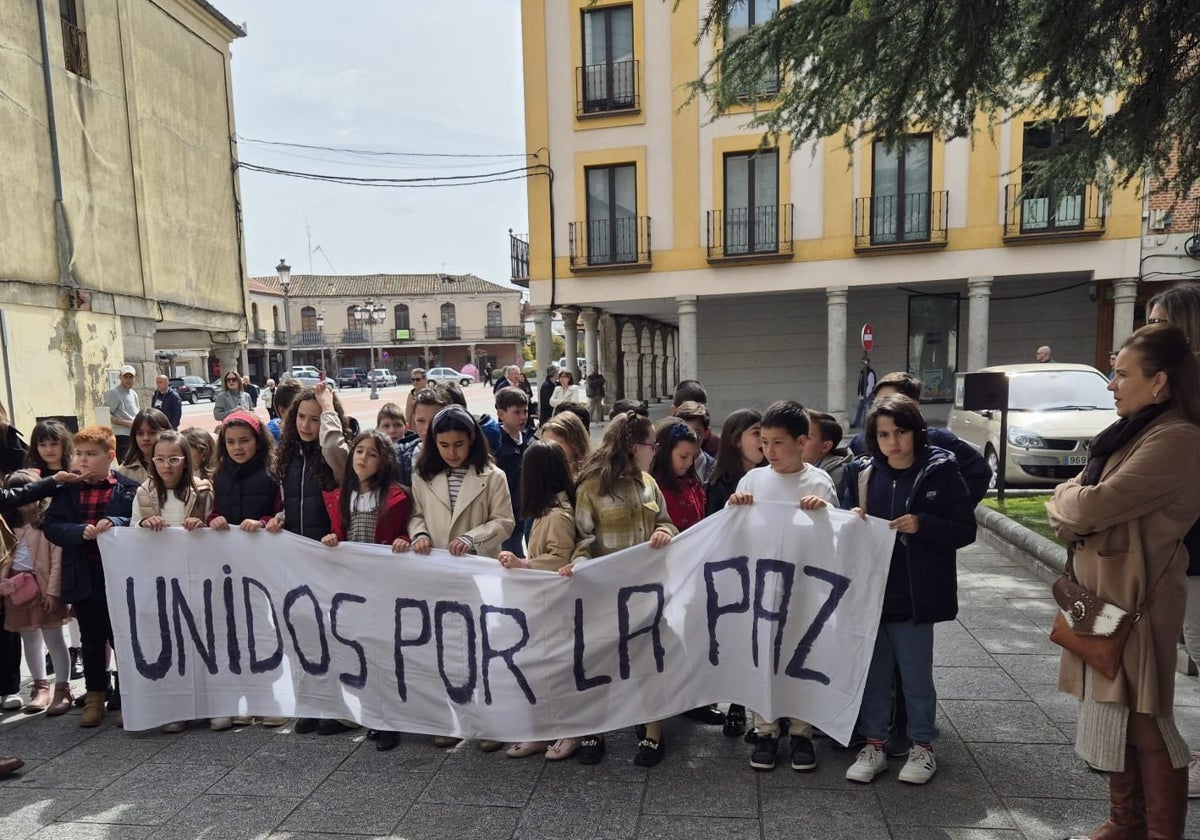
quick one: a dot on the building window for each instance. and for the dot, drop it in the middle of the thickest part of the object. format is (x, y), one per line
(612, 231)
(751, 215)
(1053, 206)
(275, 318)
(254, 316)
(743, 17)
(900, 191)
(75, 52)
(449, 318)
(933, 345)
(608, 78)
(495, 315)
(400, 313)
(308, 319)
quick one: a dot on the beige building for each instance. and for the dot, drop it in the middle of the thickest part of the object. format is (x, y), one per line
(423, 320)
(120, 206)
(679, 243)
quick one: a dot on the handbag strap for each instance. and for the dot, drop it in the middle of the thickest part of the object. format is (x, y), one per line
(1069, 571)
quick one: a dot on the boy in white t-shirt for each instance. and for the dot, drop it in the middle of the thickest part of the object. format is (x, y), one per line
(786, 479)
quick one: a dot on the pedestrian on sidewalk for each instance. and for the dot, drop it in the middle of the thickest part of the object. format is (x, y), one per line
(865, 392)
(1126, 516)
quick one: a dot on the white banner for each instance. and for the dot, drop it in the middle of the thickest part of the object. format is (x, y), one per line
(764, 605)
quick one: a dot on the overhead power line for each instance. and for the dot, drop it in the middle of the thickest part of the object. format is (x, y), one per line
(516, 174)
(380, 152)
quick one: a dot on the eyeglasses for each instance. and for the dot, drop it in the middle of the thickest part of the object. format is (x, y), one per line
(232, 379)
(653, 445)
(1150, 321)
(164, 460)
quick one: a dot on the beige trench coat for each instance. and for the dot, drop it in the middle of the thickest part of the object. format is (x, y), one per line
(483, 511)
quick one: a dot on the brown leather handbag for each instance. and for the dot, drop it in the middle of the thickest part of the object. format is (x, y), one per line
(1092, 628)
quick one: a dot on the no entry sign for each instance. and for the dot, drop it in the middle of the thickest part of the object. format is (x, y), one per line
(868, 337)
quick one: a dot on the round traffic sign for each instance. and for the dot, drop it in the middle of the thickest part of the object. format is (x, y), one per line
(868, 337)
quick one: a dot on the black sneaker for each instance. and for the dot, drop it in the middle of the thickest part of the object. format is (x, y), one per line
(765, 752)
(76, 664)
(591, 749)
(331, 726)
(385, 741)
(649, 753)
(707, 715)
(735, 721)
(305, 726)
(804, 757)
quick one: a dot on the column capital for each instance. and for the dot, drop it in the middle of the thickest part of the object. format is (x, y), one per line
(591, 316)
(837, 295)
(1125, 289)
(686, 304)
(539, 311)
(979, 286)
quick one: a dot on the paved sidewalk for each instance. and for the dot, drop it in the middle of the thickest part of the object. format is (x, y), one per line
(1006, 767)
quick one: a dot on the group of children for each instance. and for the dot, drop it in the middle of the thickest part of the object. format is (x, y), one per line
(440, 478)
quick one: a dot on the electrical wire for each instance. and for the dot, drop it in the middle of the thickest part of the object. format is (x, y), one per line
(517, 174)
(378, 152)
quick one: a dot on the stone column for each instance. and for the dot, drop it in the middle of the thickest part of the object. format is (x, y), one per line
(836, 386)
(1124, 298)
(227, 355)
(570, 316)
(543, 347)
(591, 338)
(979, 293)
(689, 366)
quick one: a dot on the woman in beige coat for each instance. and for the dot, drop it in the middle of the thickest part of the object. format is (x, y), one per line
(1126, 515)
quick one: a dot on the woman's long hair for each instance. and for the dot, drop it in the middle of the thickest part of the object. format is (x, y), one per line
(385, 476)
(289, 443)
(613, 459)
(1181, 303)
(544, 474)
(729, 468)
(1164, 348)
(147, 416)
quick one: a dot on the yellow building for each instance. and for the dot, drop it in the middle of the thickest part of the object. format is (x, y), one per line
(422, 320)
(120, 207)
(689, 250)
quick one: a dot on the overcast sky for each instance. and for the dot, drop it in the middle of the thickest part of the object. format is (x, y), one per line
(402, 76)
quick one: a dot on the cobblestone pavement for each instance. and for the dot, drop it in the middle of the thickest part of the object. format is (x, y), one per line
(1006, 767)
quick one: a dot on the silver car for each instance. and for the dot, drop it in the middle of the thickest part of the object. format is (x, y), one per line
(1054, 411)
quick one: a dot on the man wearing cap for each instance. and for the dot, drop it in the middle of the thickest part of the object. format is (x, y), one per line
(122, 404)
(166, 400)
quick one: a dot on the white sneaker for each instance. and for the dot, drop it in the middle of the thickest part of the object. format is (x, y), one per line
(11, 701)
(1194, 777)
(870, 763)
(920, 767)
(218, 724)
(177, 726)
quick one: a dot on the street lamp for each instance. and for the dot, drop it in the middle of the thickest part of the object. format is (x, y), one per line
(371, 313)
(285, 279)
(321, 335)
(425, 332)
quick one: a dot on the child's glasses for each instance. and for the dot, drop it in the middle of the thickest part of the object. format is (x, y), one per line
(653, 445)
(164, 460)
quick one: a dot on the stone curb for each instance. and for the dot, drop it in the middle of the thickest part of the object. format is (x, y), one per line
(1046, 558)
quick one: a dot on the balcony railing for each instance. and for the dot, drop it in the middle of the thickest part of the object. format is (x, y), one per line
(606, 88)
(75, 50)
(599, 243)
(258, 336)
(745, 232)
(498, 331)
(280, 337)
(308, 338)
(1053, 210)
(449, 334)
(518, 256)
(894, 221)
(354, 337)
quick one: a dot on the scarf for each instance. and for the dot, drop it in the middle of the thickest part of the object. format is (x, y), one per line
(1116, 437)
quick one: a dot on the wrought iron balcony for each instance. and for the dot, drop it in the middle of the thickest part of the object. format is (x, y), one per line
(518, 256)
(749, 232)
(1053, 211)
(603, 243)
(258, 336)
(901, 221)
(308, 338)
(449, 334)
(606, 88)
(498, 331)
(75, 49)
(354, 337)
(280, 337)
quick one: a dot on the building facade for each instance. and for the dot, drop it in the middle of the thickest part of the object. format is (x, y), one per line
(686, 245)
(425, 320)
(119, 212)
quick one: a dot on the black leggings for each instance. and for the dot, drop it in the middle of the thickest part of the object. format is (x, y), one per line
(95, 635)
(10, 661)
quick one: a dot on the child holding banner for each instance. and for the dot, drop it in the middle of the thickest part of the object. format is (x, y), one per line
(370, 507)
(674, 469)
(786, 478)
(918, 488)
(618, 505)
(172, 495)
(460, 500)
(548, 498)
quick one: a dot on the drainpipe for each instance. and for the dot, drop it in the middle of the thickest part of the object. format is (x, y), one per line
(63, 235)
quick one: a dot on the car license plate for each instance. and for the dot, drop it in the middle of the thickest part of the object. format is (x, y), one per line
(1075, 460)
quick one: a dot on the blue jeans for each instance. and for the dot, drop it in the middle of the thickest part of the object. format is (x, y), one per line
(516, 542)
(859, 412)
(909, 647)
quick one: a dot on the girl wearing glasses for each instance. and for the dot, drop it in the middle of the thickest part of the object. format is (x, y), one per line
(143, 431)
(231, 398)
(171, 496)
(618, 505)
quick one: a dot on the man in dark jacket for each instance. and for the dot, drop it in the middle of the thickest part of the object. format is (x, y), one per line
(167, 400)
(545, 411)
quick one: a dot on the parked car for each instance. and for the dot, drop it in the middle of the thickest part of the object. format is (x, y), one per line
(381, 376)
(193, 388)
(1054, 410)
(445, 374)
(304, 370)
(308, 380)
(352, 377)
